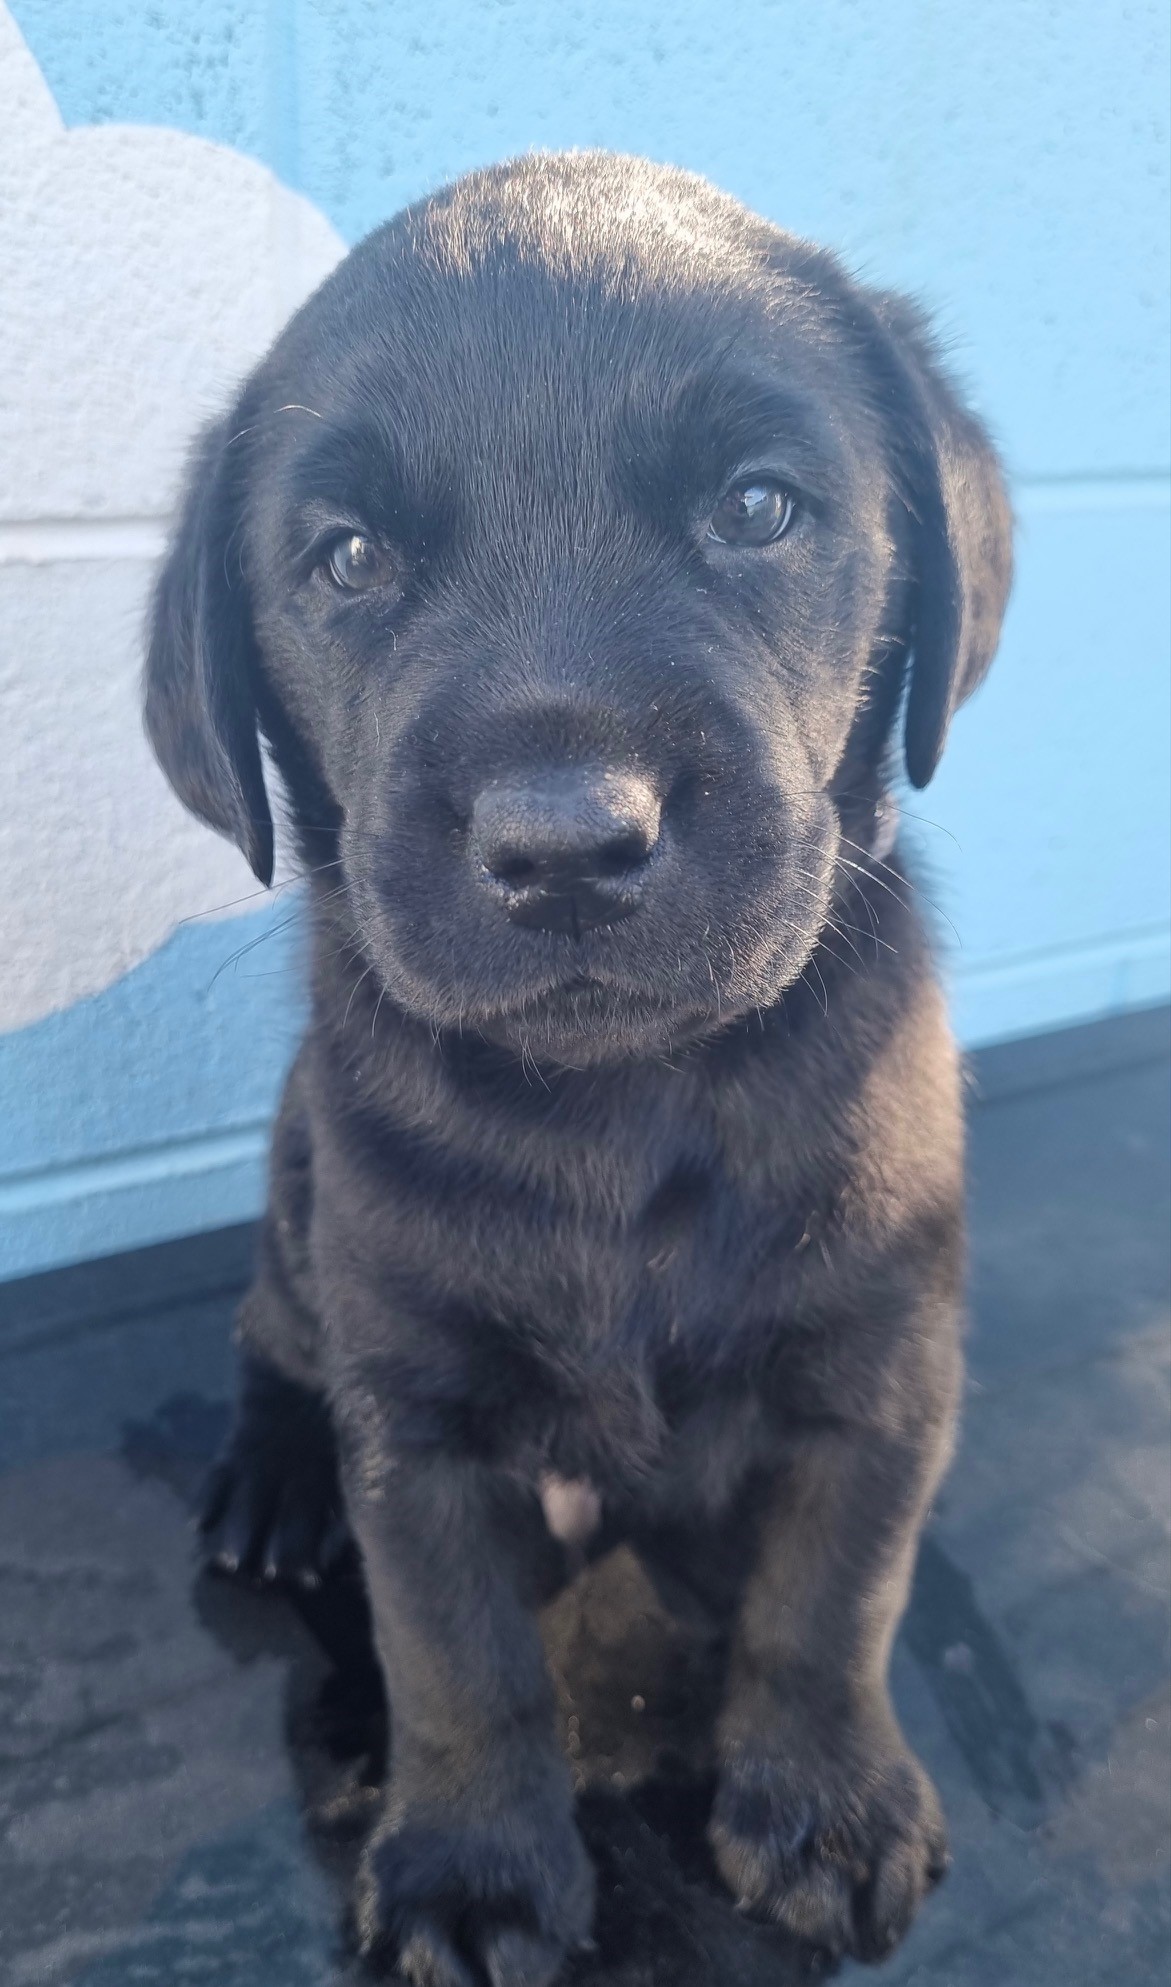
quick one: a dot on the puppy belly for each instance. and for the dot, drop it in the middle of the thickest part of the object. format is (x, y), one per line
(572, 1507)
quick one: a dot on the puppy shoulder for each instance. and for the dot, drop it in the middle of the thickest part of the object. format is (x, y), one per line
(907, 1115)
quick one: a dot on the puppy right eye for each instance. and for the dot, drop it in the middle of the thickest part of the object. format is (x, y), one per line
(757, 511)
(356, 563)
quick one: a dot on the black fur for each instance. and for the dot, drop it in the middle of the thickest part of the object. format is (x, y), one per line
(674, 1204)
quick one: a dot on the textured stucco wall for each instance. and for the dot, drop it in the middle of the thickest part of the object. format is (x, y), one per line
(173, 178)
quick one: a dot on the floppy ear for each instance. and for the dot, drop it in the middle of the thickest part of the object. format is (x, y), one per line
(200, 702)
(961, 534)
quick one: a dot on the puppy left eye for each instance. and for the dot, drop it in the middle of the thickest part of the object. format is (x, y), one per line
(356, 563)
(755, 512)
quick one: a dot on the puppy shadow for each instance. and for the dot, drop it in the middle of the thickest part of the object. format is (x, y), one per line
(636, 1694)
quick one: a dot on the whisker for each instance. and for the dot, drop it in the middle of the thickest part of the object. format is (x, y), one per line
(262, 938)
(872, 870)
(353, 991)
(840, 931)
(907, 814)
(824, 991)
(250, 896)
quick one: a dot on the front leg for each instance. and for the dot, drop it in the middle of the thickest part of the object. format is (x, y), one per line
(824, 1820)
(477, 1868)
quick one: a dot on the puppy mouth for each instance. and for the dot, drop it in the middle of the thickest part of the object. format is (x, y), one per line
(587, 1015)
(588, 993)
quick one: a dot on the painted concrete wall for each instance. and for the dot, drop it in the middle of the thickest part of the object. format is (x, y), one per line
(174, 178)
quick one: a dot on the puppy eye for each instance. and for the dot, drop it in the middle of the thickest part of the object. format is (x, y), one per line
(755, 512)
(357, 563)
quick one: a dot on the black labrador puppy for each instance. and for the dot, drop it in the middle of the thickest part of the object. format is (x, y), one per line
(576, 550)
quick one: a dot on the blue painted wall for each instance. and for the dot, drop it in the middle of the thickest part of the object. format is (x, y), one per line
(1008, 162)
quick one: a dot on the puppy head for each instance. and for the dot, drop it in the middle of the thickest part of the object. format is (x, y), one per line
(572, 548)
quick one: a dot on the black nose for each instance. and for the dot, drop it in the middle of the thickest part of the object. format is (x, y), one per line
(568, 850)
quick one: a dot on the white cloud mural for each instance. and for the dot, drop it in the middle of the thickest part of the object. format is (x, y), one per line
(143, 272)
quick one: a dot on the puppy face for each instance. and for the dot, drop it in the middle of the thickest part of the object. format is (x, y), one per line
(570, 548)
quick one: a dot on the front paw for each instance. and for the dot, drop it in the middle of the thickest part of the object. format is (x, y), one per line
(839, 1843)
(476, 1890)
(271, 1507)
